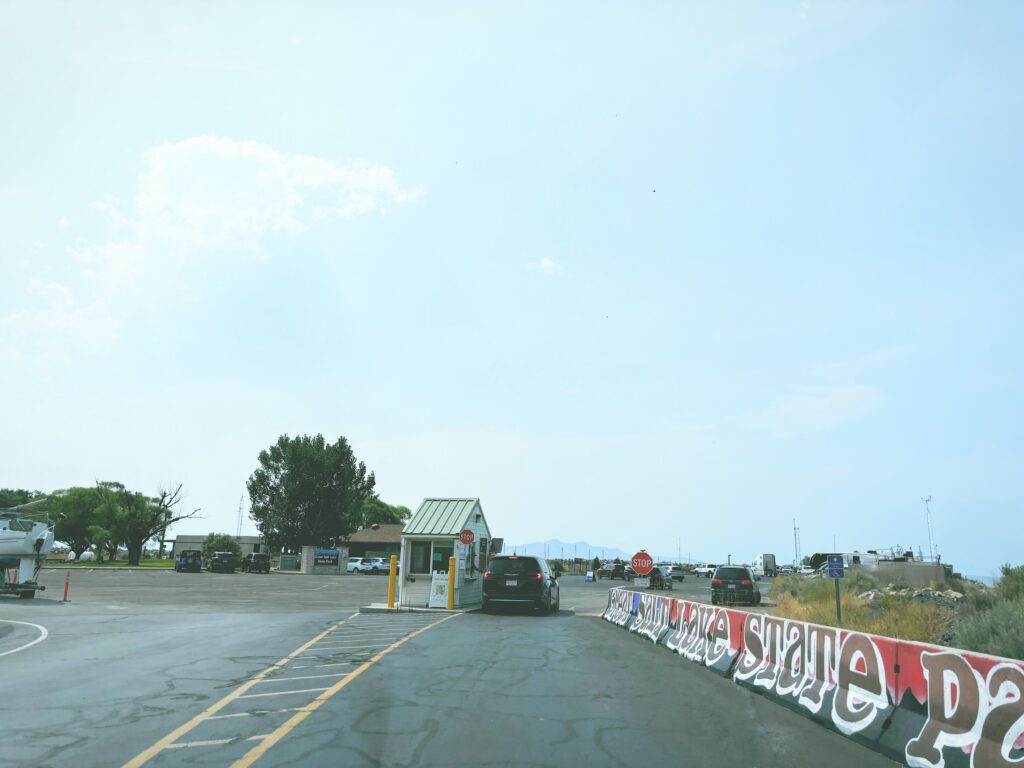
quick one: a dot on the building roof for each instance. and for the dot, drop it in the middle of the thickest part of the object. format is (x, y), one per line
(442, 517)
(380, 534)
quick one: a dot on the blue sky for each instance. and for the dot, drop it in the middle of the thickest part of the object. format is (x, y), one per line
(648, 275)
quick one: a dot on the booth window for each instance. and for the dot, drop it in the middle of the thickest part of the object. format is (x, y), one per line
(420, 557)
(430, 556)
(442, 551)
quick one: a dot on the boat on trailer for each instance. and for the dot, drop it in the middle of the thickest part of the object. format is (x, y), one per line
(26, 538)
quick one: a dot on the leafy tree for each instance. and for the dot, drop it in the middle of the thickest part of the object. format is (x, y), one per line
(133, 519)
(595, 563)
(307, 491)
(14, 497)
(220, 542)
(79, 506)
(379, 512)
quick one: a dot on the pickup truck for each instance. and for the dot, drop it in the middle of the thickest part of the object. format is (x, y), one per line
(704, 569)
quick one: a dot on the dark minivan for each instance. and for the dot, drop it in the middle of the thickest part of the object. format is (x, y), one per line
(734, 584)
(520, 580)
(189, 561)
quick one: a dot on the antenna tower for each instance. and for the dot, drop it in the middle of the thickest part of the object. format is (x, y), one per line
(928, 514)
(238, 530)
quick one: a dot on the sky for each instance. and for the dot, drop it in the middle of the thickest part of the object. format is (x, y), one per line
(673, 276)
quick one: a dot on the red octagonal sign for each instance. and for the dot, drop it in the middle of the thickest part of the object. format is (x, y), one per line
(642, 563)
(466, 537)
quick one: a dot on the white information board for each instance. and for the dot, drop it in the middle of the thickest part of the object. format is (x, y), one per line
(438, 590)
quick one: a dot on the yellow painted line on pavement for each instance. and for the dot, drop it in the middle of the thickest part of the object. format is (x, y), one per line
(271, 739)
(148, 754)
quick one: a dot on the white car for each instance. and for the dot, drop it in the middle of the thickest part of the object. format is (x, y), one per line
(353, 564)
(374, 565)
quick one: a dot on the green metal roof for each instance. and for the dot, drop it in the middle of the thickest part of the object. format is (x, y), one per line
(441, 517)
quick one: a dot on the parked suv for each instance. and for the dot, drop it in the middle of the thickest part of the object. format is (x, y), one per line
(520, 580)
(676, 573)
(374, 565)
(256, 562)
(222, 562)
(734, 584)
(612, 571)
(189, 561)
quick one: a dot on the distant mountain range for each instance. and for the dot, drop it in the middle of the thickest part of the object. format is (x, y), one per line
(556, 548)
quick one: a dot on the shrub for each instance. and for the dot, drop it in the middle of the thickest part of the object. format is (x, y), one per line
(858, 582)
(1011, 585)
(998, 630)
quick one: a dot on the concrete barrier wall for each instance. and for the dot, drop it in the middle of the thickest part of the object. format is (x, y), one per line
(927, 706)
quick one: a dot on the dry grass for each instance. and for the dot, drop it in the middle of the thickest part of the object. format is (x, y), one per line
(814, 601)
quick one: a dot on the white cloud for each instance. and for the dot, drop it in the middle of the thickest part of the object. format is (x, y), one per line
(548, 266)
(44, 332)
(215, 191)
(201, 198)
(63, 223)
(820, 408)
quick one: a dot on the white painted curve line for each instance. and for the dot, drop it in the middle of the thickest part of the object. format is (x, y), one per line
(43, 634)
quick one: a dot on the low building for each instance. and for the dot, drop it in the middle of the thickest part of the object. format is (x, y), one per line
(249, 544)
(903, 569)
(376, 541)
(433, 535)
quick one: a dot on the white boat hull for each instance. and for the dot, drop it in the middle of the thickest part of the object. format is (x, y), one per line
(22, 549)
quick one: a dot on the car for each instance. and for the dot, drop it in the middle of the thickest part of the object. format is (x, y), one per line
(786, 570)
(374, 565)
(353, 564)
(520, 580)
(189, 561)
(612, 571)
(676, 573)
(733, 584)
(806, 570)
(222, 562)
(660, 578)
(256, 562)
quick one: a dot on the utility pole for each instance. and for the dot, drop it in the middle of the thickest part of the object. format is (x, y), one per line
(238, 530)
(928, 514)
(796, 544)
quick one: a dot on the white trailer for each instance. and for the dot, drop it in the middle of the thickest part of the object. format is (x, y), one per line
(764, 565)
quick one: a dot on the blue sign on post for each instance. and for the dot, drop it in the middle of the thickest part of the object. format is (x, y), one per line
(836, 567)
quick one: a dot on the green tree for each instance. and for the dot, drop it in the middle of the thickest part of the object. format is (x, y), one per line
(79, 509)
(307, 491)
(220, 542)
(382, 513)
(14, 497)
(132, 519)
(595, 563)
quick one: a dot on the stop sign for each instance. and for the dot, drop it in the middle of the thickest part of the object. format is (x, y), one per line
(642, 563)
(466, 537)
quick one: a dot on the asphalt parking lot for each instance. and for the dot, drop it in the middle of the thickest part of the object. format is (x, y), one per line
(156, 668)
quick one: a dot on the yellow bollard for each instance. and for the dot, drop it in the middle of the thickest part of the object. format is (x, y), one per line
(391, 581)
(451, 583)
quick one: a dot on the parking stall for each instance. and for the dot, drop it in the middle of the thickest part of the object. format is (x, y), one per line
(237, 729)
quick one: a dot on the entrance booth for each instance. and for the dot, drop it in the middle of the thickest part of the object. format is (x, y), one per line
(441, 529)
